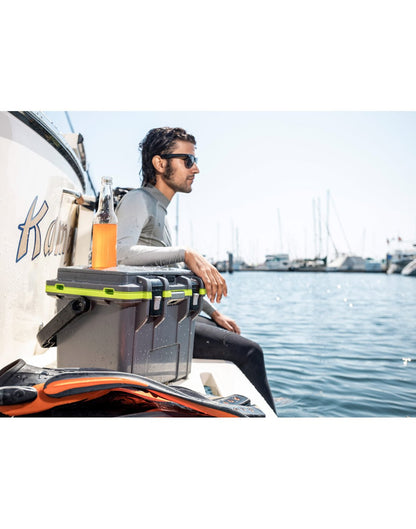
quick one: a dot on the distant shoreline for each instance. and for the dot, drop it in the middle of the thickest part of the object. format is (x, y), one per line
(309, 270)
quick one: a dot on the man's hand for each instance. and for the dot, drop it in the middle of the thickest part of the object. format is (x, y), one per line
(225, 322)
(215, 284)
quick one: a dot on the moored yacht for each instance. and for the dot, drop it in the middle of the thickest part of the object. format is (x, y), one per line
(346, 263)
(401, 257)
(275, 262)
(410, 269)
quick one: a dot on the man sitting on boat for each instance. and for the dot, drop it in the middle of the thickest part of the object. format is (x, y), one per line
(169, 166)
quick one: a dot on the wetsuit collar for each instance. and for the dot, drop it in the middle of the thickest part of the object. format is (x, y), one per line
(158, 195)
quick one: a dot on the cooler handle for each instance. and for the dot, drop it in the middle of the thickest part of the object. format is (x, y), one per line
(181, 294)
(47, 334)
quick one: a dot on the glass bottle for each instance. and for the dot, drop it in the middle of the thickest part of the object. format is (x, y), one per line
(104, 229)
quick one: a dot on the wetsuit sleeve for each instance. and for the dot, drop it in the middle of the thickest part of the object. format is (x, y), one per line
(140, 255)
(207, 307)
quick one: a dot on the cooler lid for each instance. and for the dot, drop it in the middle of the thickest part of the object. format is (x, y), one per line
(121, 282)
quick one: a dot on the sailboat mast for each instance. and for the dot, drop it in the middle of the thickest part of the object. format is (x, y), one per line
(319, 228)
(280, 230)
(327, 222)
(177, 219)
(314, 227)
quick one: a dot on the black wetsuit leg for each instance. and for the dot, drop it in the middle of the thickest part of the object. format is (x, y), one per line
(214, 342)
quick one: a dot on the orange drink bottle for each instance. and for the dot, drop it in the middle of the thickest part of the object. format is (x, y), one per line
(104, 229)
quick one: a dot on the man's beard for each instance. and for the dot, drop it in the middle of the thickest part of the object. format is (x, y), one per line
(169, 170)
(177, 188)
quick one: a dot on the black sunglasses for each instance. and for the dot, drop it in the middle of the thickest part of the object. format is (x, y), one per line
(189, 159)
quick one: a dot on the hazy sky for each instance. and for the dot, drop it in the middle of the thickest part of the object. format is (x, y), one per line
(259, 167)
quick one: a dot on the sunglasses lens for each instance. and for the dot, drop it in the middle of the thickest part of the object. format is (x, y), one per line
(191, 160)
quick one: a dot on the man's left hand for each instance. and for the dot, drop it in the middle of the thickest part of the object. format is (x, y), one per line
(224, 321)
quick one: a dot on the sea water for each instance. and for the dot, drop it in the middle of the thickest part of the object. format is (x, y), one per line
(335, 344)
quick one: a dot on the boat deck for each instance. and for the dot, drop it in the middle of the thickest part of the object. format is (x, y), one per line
(218, 378)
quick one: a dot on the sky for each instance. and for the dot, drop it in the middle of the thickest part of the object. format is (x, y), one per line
(276, 181)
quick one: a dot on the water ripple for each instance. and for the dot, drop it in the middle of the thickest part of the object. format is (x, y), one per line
(335, 345)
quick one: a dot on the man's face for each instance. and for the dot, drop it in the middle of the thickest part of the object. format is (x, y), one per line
(176, 175)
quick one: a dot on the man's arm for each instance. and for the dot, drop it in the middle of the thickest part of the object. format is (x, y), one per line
(215, 284)
(220, 319)
(133, 214)
(140, 255)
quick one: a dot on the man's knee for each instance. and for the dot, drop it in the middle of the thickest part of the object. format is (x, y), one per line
(253, 348)
(251, 353)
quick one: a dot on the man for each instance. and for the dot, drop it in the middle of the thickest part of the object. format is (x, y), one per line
(169, 166)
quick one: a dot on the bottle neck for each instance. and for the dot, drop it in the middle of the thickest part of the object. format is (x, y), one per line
(105, 213)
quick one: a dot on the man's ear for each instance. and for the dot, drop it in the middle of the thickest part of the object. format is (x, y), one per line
(159, 164)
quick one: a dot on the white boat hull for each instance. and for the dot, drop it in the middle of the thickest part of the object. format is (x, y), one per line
(38, 216)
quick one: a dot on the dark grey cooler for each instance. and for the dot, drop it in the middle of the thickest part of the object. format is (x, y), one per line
(141, 320)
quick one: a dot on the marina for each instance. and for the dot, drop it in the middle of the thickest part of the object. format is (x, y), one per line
(391, 264)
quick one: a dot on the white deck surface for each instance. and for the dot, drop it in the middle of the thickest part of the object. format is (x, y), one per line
(221, 377)
(224, 379)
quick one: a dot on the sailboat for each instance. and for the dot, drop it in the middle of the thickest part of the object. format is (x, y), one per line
(277, 262)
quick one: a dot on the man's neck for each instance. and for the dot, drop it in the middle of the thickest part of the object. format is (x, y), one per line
(165, 189)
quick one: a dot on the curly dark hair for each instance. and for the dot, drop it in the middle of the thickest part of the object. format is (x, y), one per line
(159, 141)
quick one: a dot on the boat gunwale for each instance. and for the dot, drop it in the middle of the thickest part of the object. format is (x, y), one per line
(40, 126)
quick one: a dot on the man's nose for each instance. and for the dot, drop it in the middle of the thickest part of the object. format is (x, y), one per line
(195, 169)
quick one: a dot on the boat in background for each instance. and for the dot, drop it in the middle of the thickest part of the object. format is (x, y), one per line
(275, 262)
(409, 269)
(355, 263)
(401, 257)
(375, 265)
(221, 266)
(347, 263)
(317, 264)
